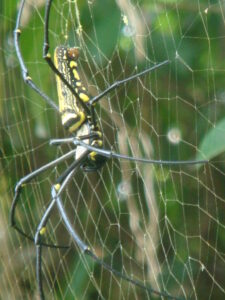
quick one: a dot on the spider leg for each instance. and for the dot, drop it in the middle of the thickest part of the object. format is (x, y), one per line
(57, 190)
(47, 57)
(27, 79)
(22, 182)
(86, 250)
(57, 142)
(120, 82)
(111, 154)
(38, 271)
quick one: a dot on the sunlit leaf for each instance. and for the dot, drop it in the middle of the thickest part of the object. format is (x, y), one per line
(213, 142)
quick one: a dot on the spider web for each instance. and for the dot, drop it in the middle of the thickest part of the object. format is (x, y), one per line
(161, 225)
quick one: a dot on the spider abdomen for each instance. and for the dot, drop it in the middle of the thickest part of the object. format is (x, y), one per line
(72, 113)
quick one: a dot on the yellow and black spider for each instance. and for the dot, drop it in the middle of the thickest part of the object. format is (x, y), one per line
(78, 116)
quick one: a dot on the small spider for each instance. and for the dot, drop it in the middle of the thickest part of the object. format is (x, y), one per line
(78, 116)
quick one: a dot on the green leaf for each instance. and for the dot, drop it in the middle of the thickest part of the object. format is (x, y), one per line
(213, 142)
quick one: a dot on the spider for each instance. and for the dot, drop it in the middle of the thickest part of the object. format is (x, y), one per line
(78, 116)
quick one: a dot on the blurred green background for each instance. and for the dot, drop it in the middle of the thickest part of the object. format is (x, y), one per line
(163, 225)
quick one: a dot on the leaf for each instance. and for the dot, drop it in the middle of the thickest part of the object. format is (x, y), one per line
(213, 142)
